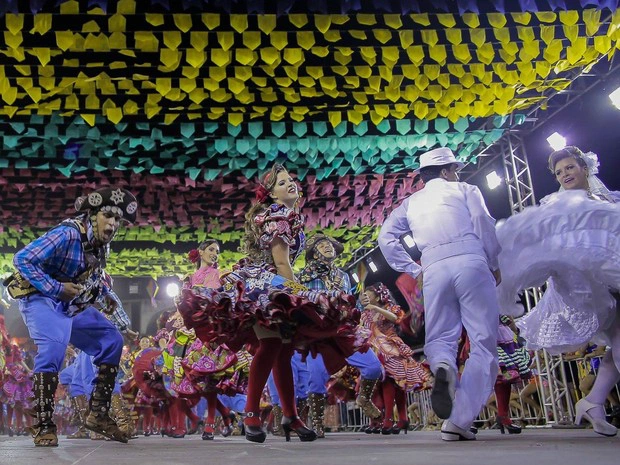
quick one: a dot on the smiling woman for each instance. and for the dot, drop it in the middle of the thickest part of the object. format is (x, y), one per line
(575, 170)
(262, 303)
(569, 168)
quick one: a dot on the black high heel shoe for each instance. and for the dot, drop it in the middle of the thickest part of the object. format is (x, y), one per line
(504, 423)
(295, 424)
(401, 425)
(385, 430)
(208, 435)
(254, 433)
(227, 430)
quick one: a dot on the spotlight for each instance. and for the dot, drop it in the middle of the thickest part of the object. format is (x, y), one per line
(493, 180)
(172, 290)
(615, 98)
(409, 240)
(355, 277)
(556, 141)
(372, 266)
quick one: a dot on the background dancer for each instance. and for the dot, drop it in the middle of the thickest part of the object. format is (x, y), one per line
(321, 273)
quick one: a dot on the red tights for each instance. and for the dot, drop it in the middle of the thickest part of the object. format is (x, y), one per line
(502, 396)
(271, 354)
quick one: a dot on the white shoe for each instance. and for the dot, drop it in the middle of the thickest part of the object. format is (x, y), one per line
(442, 394)
(599, 424)
(451, 432)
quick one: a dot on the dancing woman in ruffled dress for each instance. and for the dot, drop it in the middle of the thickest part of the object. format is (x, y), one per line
(211, 369)
(402, 373)
(262, 303)
(16, 389)
(571, 240)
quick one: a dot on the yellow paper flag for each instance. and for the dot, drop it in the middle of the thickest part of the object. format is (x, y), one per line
(42, 23)
(183, 21)
(199, 39)
(239, 22)
(154, 19)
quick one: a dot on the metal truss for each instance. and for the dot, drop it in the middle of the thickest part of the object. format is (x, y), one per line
(556, 401)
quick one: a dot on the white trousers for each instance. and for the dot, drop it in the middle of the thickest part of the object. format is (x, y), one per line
(460, 291)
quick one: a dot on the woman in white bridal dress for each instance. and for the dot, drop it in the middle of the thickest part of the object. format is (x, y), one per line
(572, 242)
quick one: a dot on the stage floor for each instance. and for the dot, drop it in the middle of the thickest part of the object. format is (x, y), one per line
(533, 446)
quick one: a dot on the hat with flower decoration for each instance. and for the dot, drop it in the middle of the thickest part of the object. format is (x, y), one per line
(114, 199)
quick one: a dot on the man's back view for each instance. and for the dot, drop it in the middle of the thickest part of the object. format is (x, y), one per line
(454, 232)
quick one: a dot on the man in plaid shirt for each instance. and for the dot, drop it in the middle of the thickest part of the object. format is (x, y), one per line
(320, 273)
(59, 279)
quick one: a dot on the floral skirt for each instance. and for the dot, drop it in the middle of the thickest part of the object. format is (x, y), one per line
(17, 386)
(323, 322)
(397, 359)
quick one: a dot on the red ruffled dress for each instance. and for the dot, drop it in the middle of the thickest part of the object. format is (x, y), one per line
(323, 322)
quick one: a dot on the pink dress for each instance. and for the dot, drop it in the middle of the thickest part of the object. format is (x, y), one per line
(208, 276)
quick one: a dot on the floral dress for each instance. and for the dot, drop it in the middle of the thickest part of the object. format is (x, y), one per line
(17, 385)
(394, 354)
(254, 294)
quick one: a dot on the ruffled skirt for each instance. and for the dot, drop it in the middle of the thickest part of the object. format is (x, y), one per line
(323, 322)
(514, 359)
(17, 386)
(575, 241)
(397, 359)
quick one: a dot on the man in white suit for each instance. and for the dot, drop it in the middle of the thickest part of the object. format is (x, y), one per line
(454, 232)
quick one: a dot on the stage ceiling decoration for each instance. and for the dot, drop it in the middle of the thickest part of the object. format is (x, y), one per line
(184, 102)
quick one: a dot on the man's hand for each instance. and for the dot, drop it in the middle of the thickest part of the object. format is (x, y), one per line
(131, 335)
(497, 274)
(70, 291)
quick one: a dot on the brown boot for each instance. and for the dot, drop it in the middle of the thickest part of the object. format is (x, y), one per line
(277, 420)
(44, 431)
(121, 415)
(98, 419)
(80, 407)
(364, 399)
(317, 412)
(303, 409)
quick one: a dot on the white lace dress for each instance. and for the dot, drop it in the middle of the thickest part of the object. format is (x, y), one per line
(572, 242)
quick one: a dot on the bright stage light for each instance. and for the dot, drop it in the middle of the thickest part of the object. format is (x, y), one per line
(372, 266)
(615, 98)
(409, 242)
(557, 141)
(493, 180)
(172, 290)
(355, 277)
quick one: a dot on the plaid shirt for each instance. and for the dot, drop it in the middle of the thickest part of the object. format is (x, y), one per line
(53, 258)
(340, 277)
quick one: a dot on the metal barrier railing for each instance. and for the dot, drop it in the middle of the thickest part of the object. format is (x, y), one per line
(528, 399)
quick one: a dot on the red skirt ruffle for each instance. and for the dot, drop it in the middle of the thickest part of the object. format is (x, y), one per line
(316, 322)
